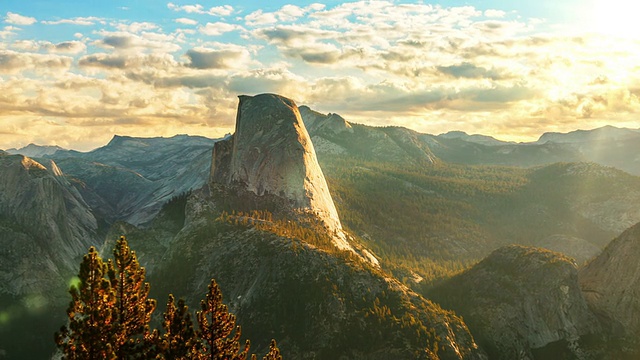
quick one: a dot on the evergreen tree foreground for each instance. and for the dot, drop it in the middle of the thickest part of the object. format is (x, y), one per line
(110, 312)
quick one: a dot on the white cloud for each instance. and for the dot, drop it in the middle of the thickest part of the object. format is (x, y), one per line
(429, 67)
(66, 47)
(287, 13)
(229, 58)
(186, 21)
(218, 28)
(17, 19)
(12, 62)
(8, 31)
(316, 7)
(260, 18)
(190, 9)
(224, 10)
(147, 41)
(492, 13)
(290, 12)
(136, 27)
(82, 21)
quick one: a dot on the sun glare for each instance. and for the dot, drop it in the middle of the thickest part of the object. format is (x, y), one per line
(615, 17)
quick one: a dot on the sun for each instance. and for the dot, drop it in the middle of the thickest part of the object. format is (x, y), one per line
(615, 17)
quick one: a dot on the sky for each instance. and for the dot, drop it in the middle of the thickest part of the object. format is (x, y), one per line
(75, 73)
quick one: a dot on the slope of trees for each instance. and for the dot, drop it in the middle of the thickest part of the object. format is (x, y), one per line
(109, 317)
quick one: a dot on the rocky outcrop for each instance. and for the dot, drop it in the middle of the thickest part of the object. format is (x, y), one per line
(131, 178)
(316, 122)
(611, 284)
(519, 299)
(40, 203)
(270, 157)
(318, 304)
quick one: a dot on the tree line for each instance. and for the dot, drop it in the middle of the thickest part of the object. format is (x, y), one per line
(110, 312)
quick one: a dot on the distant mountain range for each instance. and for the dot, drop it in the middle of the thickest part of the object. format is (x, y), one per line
(332, 134)
(337, 238)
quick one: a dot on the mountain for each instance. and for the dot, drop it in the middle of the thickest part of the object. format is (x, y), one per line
(426, 222)
(610, 283)
(604, 134)
(333, 135)
(608, 146)
(475, 138)
(130, 178)
(35, 151)
(289, 278)
(519, 300)
(271, 155)
(317, 301)
(327, 235)
(45, 228)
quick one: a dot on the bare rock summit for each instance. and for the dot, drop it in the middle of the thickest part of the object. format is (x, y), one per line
(270, 163)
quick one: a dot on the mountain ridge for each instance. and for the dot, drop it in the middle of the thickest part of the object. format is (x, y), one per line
(396, 194)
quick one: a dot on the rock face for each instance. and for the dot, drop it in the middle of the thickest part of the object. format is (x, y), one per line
(45, 228)
(131, 178)
(39, 206)
(519, 299)
(611, 284)
(271, 155)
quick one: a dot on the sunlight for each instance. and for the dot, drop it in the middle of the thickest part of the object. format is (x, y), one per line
(615, 17)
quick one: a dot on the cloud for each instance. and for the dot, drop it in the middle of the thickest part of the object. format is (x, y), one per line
(81, 21)
(218, 28)
(17, 19)
(258, 17)
(197, 8)
(129, 61)
(287, 13)
(151, 41)
(223, 10)
(432, 68)
(12, 62)
(290, 12)
(103, 61)
(470, 71)
(66, 47)
(8, 31)
(137, 27)
(492, 13)
(295, 35)
(202, 58)
(273, 80)
(186, 21)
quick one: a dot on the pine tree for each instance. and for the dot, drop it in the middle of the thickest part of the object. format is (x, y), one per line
(132, 311)
(274, 352)
(217, 327)
(89, 335)
(179, 338)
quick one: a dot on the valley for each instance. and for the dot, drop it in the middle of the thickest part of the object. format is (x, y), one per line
(372, 243)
